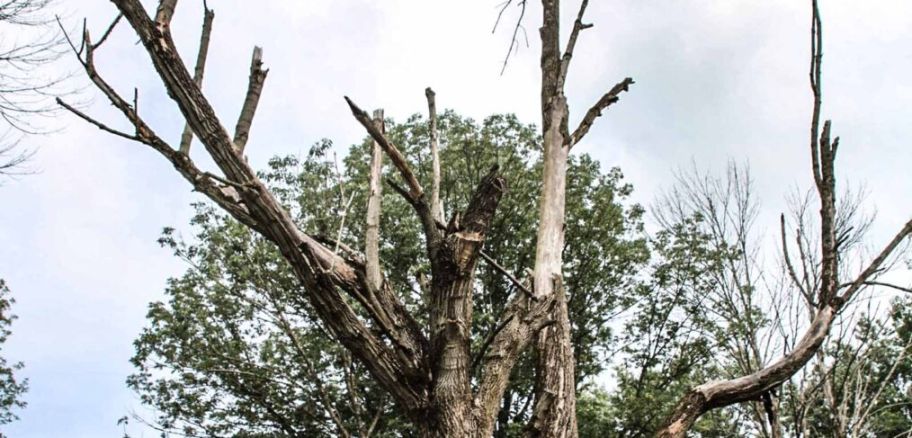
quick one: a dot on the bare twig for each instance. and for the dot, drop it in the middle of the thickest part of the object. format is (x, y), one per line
(107, 33)
(875, 264)
(788, 262)
(95, 122)
(516, 29)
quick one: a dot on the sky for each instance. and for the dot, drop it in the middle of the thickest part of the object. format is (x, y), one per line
(716, 80)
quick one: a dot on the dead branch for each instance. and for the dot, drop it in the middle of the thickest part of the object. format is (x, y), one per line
(609, 98)
(199, 70)
(374, 200)
(165, 12)
(415, 190)
(436, 205)
(578, 27)
(518, 284)
(254, 89)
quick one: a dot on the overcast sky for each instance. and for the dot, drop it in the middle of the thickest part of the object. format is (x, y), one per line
(715, 80)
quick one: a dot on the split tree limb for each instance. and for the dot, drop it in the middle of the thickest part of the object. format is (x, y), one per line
(252, 99)
(208, 16)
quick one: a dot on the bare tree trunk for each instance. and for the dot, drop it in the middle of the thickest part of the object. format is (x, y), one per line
(554, 412)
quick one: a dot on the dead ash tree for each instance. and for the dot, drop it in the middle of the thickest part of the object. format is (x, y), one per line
(827, 298)
(426, 370)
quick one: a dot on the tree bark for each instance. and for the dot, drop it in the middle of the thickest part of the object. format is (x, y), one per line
(374, 199)
(554, 412)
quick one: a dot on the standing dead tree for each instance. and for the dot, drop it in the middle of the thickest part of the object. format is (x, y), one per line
(426, 370)
(831, 293)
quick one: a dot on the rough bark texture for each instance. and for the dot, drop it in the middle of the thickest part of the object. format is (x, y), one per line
(426, 372)
(554, 412)
(198, 71)
(395, 357)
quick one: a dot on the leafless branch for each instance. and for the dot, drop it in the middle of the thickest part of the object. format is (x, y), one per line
(415, 190)
(165, 12)
(374, 200)
(514, 37)
(254, 89)
(436, 205)
(788, 262)
(107, 32)
(519, 285)
(875, 264)
(578, 26)
(609, 98)
(199, 70)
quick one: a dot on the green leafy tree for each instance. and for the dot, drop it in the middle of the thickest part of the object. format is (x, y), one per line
(234, 352)
(11, 388)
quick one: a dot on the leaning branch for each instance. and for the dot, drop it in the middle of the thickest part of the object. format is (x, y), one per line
(497, 267)
(609, 98)
(414, 187)
(874, 267)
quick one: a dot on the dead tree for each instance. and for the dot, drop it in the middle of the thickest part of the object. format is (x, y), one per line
(425, 370)
(831, 294)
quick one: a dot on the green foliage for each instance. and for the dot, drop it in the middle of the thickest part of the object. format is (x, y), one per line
(11, 388)
(217, 359)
